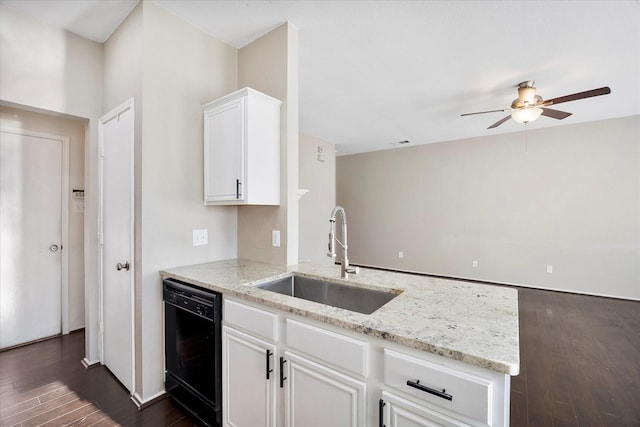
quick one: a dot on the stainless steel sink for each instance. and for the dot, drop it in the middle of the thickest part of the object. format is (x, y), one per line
(361, 300)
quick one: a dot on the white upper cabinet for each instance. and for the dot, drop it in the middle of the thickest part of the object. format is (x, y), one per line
(242, 149)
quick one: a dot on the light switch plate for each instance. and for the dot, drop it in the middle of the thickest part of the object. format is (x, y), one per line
(200, 237)
(275, 238)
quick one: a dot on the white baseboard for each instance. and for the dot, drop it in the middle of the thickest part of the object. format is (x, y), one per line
(484, 281)
(88, 364)
(143, 403)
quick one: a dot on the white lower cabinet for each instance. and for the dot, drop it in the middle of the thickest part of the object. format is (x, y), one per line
(398, 412)
(282, 370)
(249, 380)
(318, 396)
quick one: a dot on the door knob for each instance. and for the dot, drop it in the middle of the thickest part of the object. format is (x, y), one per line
(53, 248)
(124, 266)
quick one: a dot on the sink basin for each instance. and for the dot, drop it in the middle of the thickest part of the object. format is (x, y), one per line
(361, 300)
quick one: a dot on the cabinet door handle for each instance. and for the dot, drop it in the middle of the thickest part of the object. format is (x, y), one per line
(429, 390)
(269, 370)
(381, 412)
(237, 188)
(282, 377)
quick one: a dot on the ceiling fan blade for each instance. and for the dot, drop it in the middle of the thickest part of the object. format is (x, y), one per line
(555, 114)
(580, 95)
(484, 112)
(499, 122)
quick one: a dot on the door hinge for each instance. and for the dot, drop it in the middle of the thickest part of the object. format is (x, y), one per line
(101, 327)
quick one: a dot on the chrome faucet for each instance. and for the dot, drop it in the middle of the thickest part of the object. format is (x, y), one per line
(344, 266)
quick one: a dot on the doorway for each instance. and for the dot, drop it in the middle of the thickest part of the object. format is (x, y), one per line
(116, 229)
(34, 192)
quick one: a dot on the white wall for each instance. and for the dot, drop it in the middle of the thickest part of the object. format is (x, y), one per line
(74, 129)
(270, 65)
(49, 69)
(318, 175)
(572, 200)
(183, 69)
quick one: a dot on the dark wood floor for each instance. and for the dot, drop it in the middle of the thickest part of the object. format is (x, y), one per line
(45, 384)
(579, 361)
(580, 366)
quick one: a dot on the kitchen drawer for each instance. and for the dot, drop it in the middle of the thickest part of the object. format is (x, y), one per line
(470, 395)
(257, 321)
(337, 349)
(401, 412)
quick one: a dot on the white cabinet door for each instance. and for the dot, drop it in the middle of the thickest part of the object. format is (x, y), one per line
(398, 412)
(242, 149)
(317, 396)
(223, 152)
(248, 396)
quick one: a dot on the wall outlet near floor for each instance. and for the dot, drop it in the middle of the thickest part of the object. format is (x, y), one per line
(400, 254)
(200, 237)
(549, 268)
(275, 238)
(475, 263)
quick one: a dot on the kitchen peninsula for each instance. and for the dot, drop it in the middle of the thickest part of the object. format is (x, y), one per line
(442, 350)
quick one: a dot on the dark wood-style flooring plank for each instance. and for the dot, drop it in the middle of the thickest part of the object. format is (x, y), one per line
(45, 408)
(72, 416)
(45, 384)
(580, 360)
(95, 418)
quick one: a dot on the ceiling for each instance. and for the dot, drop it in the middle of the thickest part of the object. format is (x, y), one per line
(373, 73)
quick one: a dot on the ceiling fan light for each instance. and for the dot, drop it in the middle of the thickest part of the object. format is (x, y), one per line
(526, 115)
(527, 95)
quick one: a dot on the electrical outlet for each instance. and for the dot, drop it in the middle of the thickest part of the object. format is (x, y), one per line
(200, 238)
(400, 254)
(549, 268)
(475, 263)
(275, 238)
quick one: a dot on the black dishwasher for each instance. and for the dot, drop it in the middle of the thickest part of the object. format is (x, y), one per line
(193, 349)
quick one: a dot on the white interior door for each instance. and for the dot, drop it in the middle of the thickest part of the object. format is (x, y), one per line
(116, 148)
(31, 235)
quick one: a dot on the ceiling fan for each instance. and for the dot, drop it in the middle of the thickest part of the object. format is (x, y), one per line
(529, 106)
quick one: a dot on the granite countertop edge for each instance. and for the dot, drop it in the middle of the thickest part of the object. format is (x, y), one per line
(473, 323)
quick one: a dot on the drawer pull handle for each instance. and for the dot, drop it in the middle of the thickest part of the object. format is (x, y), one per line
(269, 370)
(429, 390)
(381, 405)
(282, 377)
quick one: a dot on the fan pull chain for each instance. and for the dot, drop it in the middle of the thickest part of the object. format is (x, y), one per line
(526, 138)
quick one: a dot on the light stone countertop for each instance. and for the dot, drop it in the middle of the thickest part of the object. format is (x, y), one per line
(470, 322)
